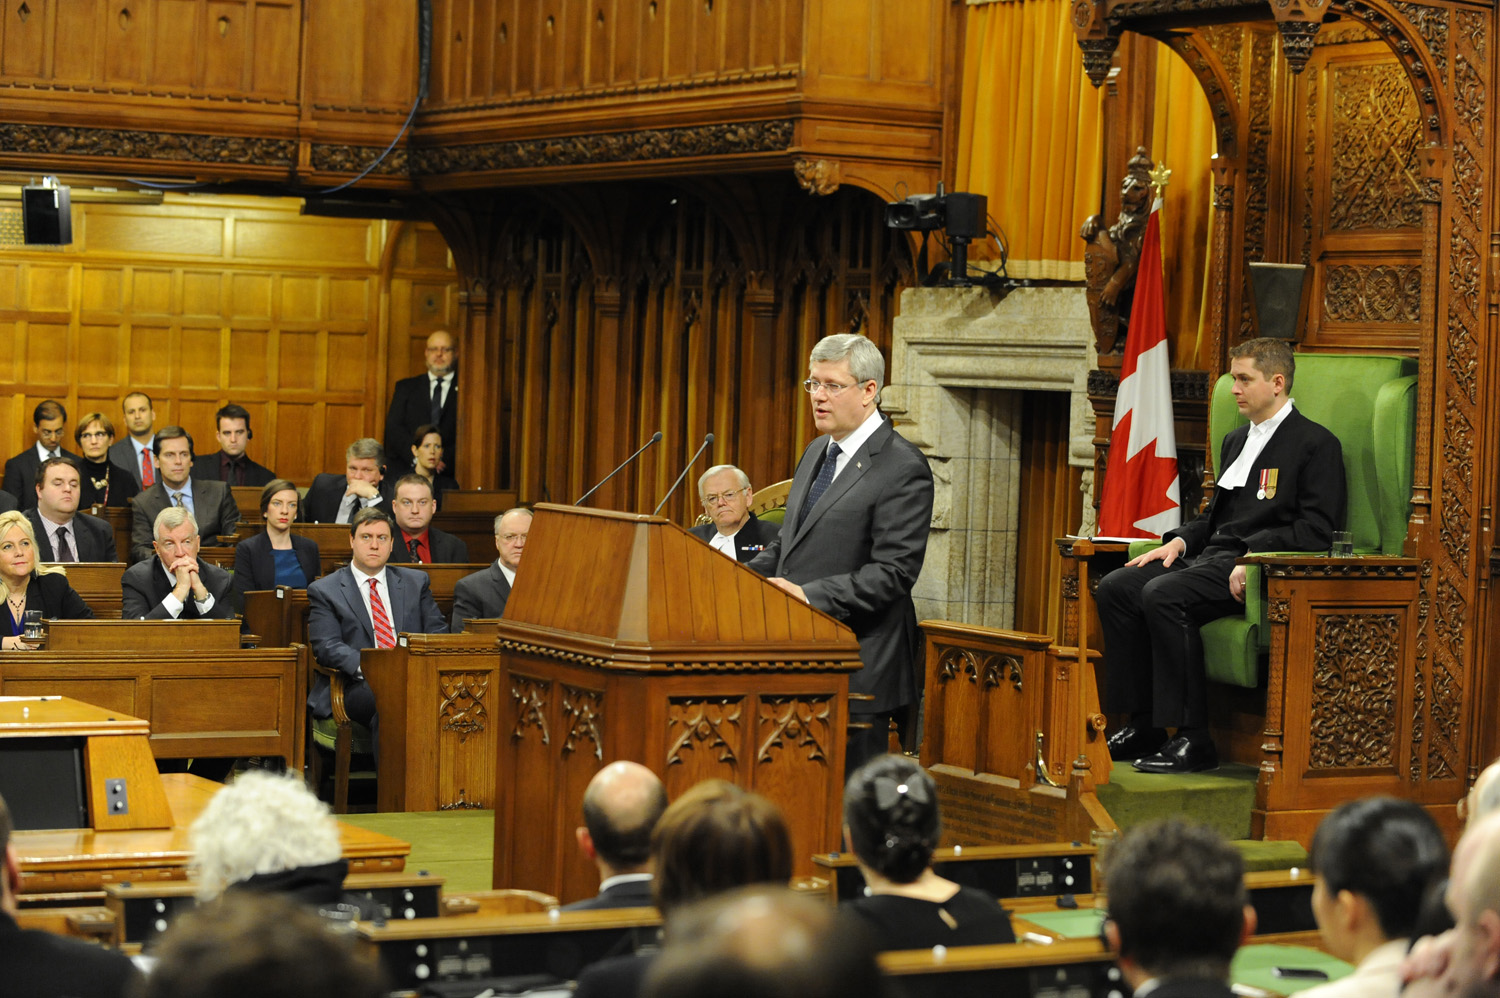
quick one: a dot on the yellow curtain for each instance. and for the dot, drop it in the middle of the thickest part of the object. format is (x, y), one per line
(1030, 133)
(1183, 133)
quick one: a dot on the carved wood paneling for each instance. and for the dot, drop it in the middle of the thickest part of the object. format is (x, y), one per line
(583, 713)
(1373, 149)
(1355, 683)
(1381, 293)
(801, 725)
(462, 708)
(530, 704)
(709, 725)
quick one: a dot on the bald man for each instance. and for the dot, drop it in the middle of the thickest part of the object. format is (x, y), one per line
(621, 806)
(1465, 960)
(423, 399)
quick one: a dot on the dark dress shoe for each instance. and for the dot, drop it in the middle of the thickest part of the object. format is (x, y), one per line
(1130, 743)
(1180, 755)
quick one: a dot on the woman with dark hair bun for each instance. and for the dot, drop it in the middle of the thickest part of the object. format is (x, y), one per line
(891, 821)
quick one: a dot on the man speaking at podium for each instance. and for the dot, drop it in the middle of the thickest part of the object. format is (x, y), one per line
(855, 532)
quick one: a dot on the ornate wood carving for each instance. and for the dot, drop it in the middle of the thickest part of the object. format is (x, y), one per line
(1373, 148)
(1257, 161)
(1213, 76)
(1279, 611)
(1355, 660)
(712, 722)
(583, 710)
(1432, 24)
(530, 696)
(1383, 293)
(121, 143)
(462, 707)
(1113, 254)
(1419, 678)
(1226, 40)
(999, 668)
(795, 723)
(818, 176)
(354, 159)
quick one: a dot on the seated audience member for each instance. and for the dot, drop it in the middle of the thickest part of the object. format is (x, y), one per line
(26, 584)
(7, 502)
(764, 942)
(336, 498)
(712, 839)
(892, 824)
(419, 540)
(1465, 960)
(735, 531)
(427, 459)
(256, 946)
(174, 584)
(276, 556)
(1178, 909)
(268, 833)
(621, 806)
(63, 533)
(50, 424)
(482, 596)
(1483, 796)
(105, 483)
(211, 503)
(134, 452)
(365, 604)
(36, 964)
(229, 464)
(1374, 860)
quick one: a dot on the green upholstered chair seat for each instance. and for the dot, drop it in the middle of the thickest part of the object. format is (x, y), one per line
(325, 732)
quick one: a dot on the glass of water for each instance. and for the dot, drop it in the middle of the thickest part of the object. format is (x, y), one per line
(1343, 544)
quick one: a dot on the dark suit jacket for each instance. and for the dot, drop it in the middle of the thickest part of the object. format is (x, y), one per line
(615, 977)
(122, 452)
(411, 406)
(21, 473)
(207, 466)
(144, 585)
(1307, 507)
(214, 509)
(255, 565)
(7, 501)
(36, 964)
(92, 538)
(480, 596)
(338, 625)
(1192, 987)
(321, 504)
(631, 894)
(446, 549)
(858, 554)
(751, 540)
(57, 600)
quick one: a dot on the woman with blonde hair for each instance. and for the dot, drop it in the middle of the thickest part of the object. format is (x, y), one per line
(26, 584)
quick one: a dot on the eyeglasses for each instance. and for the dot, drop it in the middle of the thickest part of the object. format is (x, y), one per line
(811, 387)
(713, 500)
(413, 503)
(93, 435)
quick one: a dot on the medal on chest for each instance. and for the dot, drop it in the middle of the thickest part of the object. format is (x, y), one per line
(1267, 488)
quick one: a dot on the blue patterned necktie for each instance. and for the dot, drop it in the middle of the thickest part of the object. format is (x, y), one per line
(821, 483)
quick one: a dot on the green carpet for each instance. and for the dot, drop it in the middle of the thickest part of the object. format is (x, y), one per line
(458, 846)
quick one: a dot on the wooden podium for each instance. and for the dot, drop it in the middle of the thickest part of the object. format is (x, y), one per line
(625, 637)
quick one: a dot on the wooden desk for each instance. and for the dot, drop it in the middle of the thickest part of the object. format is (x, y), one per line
(282, 620)
(1075, 968)
(1021, 871)
(117, 635)
(98, 584)
(77, 863)
(247, 498)
(120, 519)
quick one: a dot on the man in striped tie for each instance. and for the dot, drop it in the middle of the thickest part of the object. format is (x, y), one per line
(365, 604)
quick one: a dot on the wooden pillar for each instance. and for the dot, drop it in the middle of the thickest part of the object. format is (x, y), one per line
(480, 382)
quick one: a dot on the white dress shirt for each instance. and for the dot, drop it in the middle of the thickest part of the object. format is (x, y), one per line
(509, 573)
(170, 601)
(855, 440)
(385, 598)
(446, 381)
(724, 544)
(43, 453)
(1238, 472)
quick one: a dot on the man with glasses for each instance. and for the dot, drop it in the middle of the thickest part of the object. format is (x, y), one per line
(482, 596)
(735, 531)
(49, 422)
(418, 541)
(855, 533)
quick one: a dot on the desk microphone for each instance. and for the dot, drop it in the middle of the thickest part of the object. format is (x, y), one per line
(655, 439)
(692, 461)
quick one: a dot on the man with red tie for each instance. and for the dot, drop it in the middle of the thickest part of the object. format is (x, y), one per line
(419, 540)
(134, 451)
(365, 604)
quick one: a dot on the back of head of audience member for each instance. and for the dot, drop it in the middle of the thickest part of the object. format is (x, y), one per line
(1375, 860)
(716, 837)
(1178, 907)
(621, 806)
(1472, 950)
(261, 824)
(259, 946)
(764, 942)
(1484, 795)
(891, 812)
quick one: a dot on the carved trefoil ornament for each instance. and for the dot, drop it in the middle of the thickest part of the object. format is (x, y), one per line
(530, 698)
(584, 711)
(462, 706)
(789, 723)
(713, 722)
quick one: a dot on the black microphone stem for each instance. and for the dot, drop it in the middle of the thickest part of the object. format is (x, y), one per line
(694, 460)
(654, 439)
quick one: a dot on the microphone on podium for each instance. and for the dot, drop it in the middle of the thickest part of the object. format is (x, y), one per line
(692, 461)
(656, 438)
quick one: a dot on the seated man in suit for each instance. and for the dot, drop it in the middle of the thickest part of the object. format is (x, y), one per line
(336, 498)
(211, 503)
(49, 423)
(134, 451)
(365, 604)
(63, 533)
(419, 540)
(1281, 489)
(735, 531)
(426, 398)
(621, 806)
(174, 584)
(229, 464)
(482, 596)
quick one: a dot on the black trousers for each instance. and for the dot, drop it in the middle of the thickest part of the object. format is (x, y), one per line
(1153, 655)
(359, 704)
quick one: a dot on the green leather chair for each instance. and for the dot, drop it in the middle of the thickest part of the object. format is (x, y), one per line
(1370, 403)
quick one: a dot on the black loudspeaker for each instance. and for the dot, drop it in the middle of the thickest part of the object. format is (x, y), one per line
(46, 216)
(967, 216)
(1277, 288)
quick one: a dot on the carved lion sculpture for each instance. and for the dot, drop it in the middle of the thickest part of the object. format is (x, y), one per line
(1113, 255)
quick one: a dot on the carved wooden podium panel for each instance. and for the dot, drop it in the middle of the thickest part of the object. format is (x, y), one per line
(625, 637)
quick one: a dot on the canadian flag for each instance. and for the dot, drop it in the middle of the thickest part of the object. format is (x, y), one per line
(1141, 498)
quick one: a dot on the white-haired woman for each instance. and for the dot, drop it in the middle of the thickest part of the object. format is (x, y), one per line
(25, 584)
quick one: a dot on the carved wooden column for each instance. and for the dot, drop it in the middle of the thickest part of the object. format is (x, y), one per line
(480, 363)
(1226, 173)
(611, 351)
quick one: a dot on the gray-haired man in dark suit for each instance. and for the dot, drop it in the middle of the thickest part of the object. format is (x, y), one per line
(482, 596)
